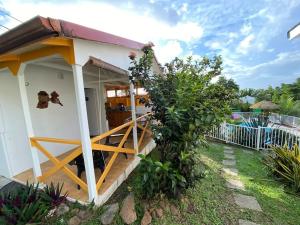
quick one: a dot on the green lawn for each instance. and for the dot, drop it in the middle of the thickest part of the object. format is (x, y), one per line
(279, 206)
(213, 202)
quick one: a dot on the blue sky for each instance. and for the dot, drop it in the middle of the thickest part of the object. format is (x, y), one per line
(250, 35)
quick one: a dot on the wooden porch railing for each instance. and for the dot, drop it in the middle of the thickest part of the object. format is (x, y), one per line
(116, 150)
(61, 165)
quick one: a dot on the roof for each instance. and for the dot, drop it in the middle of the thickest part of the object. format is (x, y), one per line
(265, 105)
(39, 28)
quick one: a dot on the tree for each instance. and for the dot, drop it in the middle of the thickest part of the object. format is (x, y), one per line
(228, 83)
(186, 105)
(287, 96)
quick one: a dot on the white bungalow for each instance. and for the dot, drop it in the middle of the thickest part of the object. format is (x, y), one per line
(40, 133)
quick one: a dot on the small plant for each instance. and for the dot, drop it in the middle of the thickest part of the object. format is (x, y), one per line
(53, 195)
(29, 204)
(159, 177)
(285, 164)
(23, 205)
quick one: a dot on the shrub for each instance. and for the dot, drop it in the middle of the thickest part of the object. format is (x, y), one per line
(285, 164)
(29, 204)
(53, 195)
(185, 104)
(159, 177)
(23, 205)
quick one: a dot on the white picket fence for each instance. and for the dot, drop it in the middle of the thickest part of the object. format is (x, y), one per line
(290, 121)
(255, 138)
(285, 120)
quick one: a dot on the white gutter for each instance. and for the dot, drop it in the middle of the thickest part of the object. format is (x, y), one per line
(294, 32)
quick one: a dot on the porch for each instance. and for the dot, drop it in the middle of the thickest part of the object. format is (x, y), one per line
(54, 135)
(117, 166)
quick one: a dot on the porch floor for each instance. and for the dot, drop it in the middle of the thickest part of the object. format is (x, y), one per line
(119, 167)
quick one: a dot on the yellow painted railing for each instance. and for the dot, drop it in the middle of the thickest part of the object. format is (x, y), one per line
(61, 164)
(119, 149)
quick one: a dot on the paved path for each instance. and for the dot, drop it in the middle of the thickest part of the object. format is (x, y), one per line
(233, 182)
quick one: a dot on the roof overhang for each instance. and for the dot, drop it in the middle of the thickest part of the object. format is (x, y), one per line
(107, 66)
(294, 32)
(39, 28)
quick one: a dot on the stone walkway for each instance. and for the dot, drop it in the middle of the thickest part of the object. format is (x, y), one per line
(233, 182)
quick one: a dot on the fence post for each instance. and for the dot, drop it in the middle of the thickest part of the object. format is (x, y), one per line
(226, 132)
(258, 138)
(294, 118)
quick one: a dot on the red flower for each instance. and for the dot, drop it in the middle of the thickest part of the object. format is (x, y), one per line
(132, 55)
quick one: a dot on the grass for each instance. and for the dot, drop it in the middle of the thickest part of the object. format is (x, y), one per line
(279, 203)
(213, 201)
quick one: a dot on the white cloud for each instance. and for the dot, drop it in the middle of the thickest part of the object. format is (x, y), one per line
(245, 44)
(113, 19)
(214, 45)
(182, 9)
(168, 51)
(232, 35)
(246, 29)
(271, 68)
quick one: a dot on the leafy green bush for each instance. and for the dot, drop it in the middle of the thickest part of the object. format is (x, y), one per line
(159, 177)
(185, 104)
(285, 164)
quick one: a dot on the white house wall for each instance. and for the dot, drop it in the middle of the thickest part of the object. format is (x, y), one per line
(113, 54)
(55, 121)
(13, 126)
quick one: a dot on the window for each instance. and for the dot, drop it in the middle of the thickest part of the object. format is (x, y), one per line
(111, 93)
(141, 91)
(121, 93)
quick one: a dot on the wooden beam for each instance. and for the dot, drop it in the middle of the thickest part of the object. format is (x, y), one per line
(61, 164)
(58, 41)
(6, 58)
(56, 140)
(143, 134)
(110, 132)
(124, 139)
(106, 171)
(56, 162)
(52, 46)
(107, 148)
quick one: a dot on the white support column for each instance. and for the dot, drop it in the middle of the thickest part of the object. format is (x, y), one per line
(26, 111)
(133, 115)
(84, 131)
(258, 138)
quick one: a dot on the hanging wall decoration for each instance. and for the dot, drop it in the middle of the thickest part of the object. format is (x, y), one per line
(43, 98)
(54, 98)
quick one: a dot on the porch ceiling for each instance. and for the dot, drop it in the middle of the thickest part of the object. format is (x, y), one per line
(106, 72)
(97, 70)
